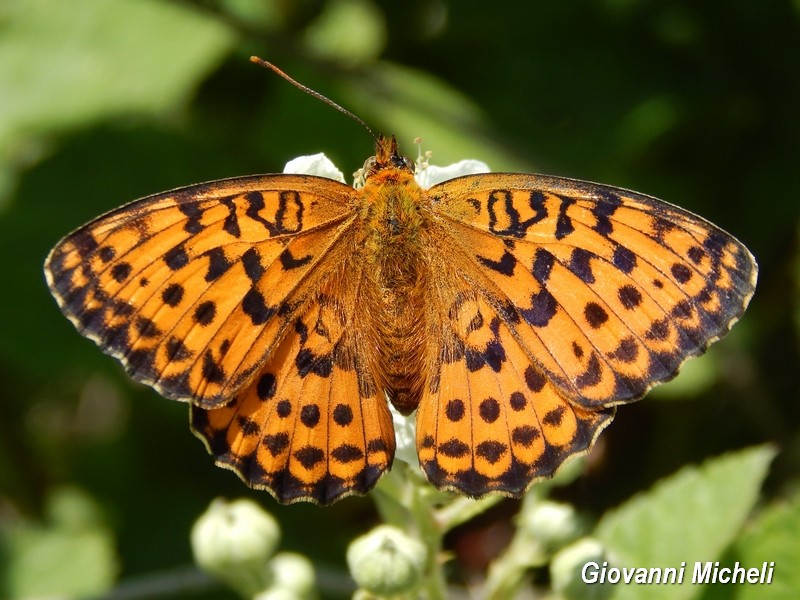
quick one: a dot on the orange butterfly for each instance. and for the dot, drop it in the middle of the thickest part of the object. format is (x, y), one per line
(513, 312)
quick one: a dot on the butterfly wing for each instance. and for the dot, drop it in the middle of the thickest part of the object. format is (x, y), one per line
(313, 425)
(192, 289)
(230, 295)
(591, 292)
(490, 420)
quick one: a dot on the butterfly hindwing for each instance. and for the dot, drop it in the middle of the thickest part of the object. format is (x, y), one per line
(314, 424)
(490, 420)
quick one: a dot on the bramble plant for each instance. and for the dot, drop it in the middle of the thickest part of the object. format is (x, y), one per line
(699, 514)
(104, 101)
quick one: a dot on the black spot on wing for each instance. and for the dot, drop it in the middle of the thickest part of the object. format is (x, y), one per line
(629, 296)
(564, 226)
(681, 272)
(212, 371)
(542, 265)
(580, 264)
(106, 253)
(309, 456)
(489, 410)
(288, 261)
(492, 451)
(627, 351)
(595, 314)
(342, 415)
(121, 271)
(310, 415)
(624, 259)
(455, 410)
(534, 379)
(195, 213)
(176, 258)
(504, 266)
(307, 362)
(454, 448)
(347, 453)
(255, 307)
(218, 264)
(543, 308)
(277, 443)
(283, 409)
(266, 386)
(251, 260)
(592, 375)
(172, 294)
(205, 312)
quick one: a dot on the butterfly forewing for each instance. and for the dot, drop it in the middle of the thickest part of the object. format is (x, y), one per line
(607, 291)
(190, 289)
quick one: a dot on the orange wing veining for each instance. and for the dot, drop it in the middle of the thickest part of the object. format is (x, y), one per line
(608, 291)
(490, 420)
(517, 309)
(314, 424)
(563, 299)
(192, 289)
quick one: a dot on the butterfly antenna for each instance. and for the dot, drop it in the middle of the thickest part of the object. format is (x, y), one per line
(310, 92)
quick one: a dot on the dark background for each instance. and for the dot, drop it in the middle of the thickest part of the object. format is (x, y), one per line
(693, 102)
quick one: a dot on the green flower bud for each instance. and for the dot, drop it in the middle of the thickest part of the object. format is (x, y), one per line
(291, 574)
(234, 542)
(550, 524)
(569, 568)
(386, 561)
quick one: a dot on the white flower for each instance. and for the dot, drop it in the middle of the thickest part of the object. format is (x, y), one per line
(430, 175)
(314, 164)
(426, 175)
(405, 435)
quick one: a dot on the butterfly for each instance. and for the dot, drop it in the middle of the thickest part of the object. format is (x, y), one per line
(513, 312)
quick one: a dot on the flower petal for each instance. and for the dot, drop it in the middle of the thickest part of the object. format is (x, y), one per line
(314, 164)
(431, 174)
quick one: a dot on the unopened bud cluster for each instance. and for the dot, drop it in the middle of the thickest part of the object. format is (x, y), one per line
(386, 561)
(236, 542)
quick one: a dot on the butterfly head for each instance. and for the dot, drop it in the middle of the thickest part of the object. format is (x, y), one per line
(387, 157)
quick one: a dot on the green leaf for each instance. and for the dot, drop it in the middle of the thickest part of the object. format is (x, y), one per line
(774, 537)
(691, 516)
(73, 555)
(67, 64)
(352, 31)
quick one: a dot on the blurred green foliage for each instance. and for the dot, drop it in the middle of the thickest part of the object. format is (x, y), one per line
(104, 101)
